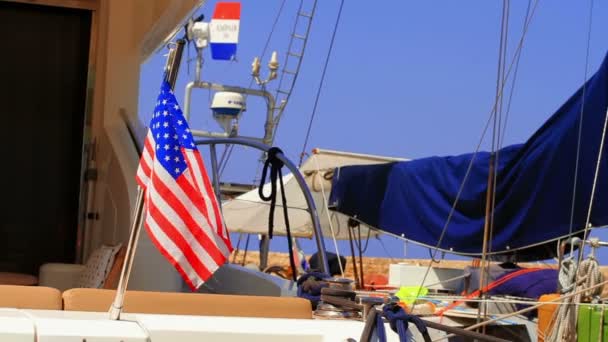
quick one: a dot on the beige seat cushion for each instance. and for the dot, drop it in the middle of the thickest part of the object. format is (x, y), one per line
(30, 297)
(189, 304)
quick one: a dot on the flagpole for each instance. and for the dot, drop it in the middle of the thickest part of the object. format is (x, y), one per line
(171, 69)
(116, 307)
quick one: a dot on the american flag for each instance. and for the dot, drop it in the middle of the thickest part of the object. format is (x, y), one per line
(182, 216)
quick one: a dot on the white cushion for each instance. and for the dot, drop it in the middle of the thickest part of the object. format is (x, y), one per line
(97, 267)
(60, 276)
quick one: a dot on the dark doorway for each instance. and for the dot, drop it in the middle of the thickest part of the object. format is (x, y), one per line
(43, 75)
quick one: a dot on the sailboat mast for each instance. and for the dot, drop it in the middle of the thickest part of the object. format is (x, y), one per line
(490, 193)
(486, 231)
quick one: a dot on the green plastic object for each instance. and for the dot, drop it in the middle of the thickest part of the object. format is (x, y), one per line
(588, 325)
(409, 294)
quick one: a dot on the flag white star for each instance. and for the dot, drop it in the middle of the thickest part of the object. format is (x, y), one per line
(176, 170)
(167, 158)
(165, 113)
(176, 159)
(175, 136)
(176, 148)
(166, 135)
(164, 102)
(165, 124)
(180, 122)
(176, 107)
(166, 147)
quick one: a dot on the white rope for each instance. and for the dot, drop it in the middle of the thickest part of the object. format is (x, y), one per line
(597, 172)
(588, 276)
(326, 208)
(522, 311)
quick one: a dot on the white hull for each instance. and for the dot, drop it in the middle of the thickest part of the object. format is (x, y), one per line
(64, 326)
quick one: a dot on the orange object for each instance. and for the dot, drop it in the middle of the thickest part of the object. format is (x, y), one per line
(546, 313)
(375, 281)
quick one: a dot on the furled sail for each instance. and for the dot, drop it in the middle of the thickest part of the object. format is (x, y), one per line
(534, 187)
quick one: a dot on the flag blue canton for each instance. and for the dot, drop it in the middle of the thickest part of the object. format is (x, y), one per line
(171, 132)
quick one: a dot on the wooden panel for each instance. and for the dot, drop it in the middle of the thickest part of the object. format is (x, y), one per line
(80, 4)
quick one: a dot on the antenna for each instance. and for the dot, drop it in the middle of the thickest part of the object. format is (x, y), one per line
(221, 35)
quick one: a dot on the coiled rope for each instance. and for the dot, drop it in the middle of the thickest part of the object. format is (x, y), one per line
(588, 275)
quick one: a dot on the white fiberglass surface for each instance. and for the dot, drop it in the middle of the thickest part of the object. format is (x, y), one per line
(64, 326)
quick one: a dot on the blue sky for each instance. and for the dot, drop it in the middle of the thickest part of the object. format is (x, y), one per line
(406, 78)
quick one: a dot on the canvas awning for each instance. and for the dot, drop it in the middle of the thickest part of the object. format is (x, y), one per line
(535, 204)
(247, 213)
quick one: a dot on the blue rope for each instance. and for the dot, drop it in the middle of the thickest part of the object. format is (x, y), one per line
(399, 321)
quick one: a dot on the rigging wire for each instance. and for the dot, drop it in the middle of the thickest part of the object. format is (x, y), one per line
(513, 82)
(470, 166)
(501, 81)
(503, 129)
(493, 166)
(314, 109)
(359, 243)
(597, 169)
(580, 121)
(329, 220)
(223, 165)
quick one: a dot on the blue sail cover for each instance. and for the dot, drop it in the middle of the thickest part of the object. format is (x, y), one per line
(533, 189)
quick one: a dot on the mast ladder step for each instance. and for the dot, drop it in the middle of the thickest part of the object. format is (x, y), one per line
(304, 14)
(297, 36)
(293, 54)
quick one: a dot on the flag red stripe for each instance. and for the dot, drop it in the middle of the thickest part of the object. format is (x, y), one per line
(177, 238)
(192, 200)
(143, 174)
(194, 227)
(188, 189)
(161, 201)
(145, 162)
(172, 249)
(200, 185)
(169, 257)
(196, 202)
(209, 190)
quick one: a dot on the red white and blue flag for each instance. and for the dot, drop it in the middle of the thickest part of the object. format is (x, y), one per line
(224, 30)
(182, 215)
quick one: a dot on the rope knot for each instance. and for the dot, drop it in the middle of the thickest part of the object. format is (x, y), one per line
(399, 319)
(275, 164)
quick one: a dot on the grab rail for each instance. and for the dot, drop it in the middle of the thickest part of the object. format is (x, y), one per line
(212, 142)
